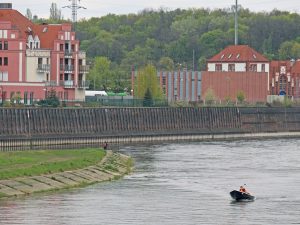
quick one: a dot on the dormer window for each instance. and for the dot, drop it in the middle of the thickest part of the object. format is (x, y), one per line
(45, 29)
(222, 56)
(229, 56)
(238, 56)
(254, 56)
(37, 42)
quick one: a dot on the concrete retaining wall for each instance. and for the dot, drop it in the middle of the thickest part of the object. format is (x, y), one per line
(87, 126)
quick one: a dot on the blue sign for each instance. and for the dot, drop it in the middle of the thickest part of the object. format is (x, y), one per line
(282, 93)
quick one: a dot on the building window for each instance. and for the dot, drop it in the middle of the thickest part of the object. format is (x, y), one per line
(1, 45)
(5, 61)
(282, 83)
(25, 98)
(5, 45)
(164, 81)
(253, 68)
(31, 98)
(12, 94)
(263, 68)
(61, 47)
(40, 61)
(218, 67)
(231, 67)
(0, 61)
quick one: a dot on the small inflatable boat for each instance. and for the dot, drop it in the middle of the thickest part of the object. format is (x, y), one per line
(241, 196)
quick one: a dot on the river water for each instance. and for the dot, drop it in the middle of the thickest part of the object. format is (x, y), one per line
(182, 183)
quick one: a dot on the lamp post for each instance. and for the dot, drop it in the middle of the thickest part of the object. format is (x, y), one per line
(46, 92)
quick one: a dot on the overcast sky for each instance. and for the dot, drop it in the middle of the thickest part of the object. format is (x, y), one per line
(98, 8)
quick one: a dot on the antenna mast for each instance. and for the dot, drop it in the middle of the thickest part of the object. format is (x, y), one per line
(236, 42)
(74, 7)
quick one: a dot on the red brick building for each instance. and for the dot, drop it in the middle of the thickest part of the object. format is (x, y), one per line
(234, 69)
(35, 58)
(285, 78)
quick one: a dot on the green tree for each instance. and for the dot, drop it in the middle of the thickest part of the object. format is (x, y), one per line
(240, 96)
(166, 64)
(147, 79)
(289, 50)
(55, 13)
(100, 74)
(202, 63)
(51, 99)
(148, 99)
(28, 14)
(210, 96)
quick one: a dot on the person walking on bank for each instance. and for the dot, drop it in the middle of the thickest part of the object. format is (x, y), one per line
(105, 146)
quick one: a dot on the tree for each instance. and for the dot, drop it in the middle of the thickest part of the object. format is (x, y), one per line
(148, 99)
(240, 96)
(210, 96)
(147, 79)
(51, 99)
(166, 64)
(289, 50)
(55, 13)
(100, 74)
(202, 63)
(28, 14)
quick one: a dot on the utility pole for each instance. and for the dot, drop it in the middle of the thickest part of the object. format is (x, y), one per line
(193, 59)
(236, 42)
(74, 7)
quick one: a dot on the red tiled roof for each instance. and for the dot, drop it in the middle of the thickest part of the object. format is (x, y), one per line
(18, 21)
(46, 33)
(238, 53)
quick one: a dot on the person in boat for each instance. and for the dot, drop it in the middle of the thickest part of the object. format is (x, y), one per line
(243, 190)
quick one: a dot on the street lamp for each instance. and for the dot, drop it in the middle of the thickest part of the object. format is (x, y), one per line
(46, 92)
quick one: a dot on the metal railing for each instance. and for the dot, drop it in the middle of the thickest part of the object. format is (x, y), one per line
(51, 83)
(67, 83)
(83, 84)
(84, 68)
(66, 67)
(69, 52)
(43, 68)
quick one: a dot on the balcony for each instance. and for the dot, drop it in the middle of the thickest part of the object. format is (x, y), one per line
(43, 68)
(69, 53)
(83, 84)
(67, 68)
(67, 83)
(51, 83)
(84, 69)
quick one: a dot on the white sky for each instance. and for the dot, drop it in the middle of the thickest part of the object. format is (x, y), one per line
(98, 8)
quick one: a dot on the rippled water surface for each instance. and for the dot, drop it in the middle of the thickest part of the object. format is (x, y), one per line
(184, 183)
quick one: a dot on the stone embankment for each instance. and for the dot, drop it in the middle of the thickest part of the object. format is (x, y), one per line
(112, 166)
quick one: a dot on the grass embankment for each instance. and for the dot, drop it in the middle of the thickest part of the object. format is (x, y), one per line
(33, 163)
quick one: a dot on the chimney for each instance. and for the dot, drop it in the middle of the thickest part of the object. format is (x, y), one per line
(5, 5)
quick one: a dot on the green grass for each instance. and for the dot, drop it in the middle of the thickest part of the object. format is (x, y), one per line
(32, 163)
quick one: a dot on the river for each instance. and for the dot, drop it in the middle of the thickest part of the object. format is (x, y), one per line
(181, 183)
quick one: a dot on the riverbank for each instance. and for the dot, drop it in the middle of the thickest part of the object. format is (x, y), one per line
(112, 166)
